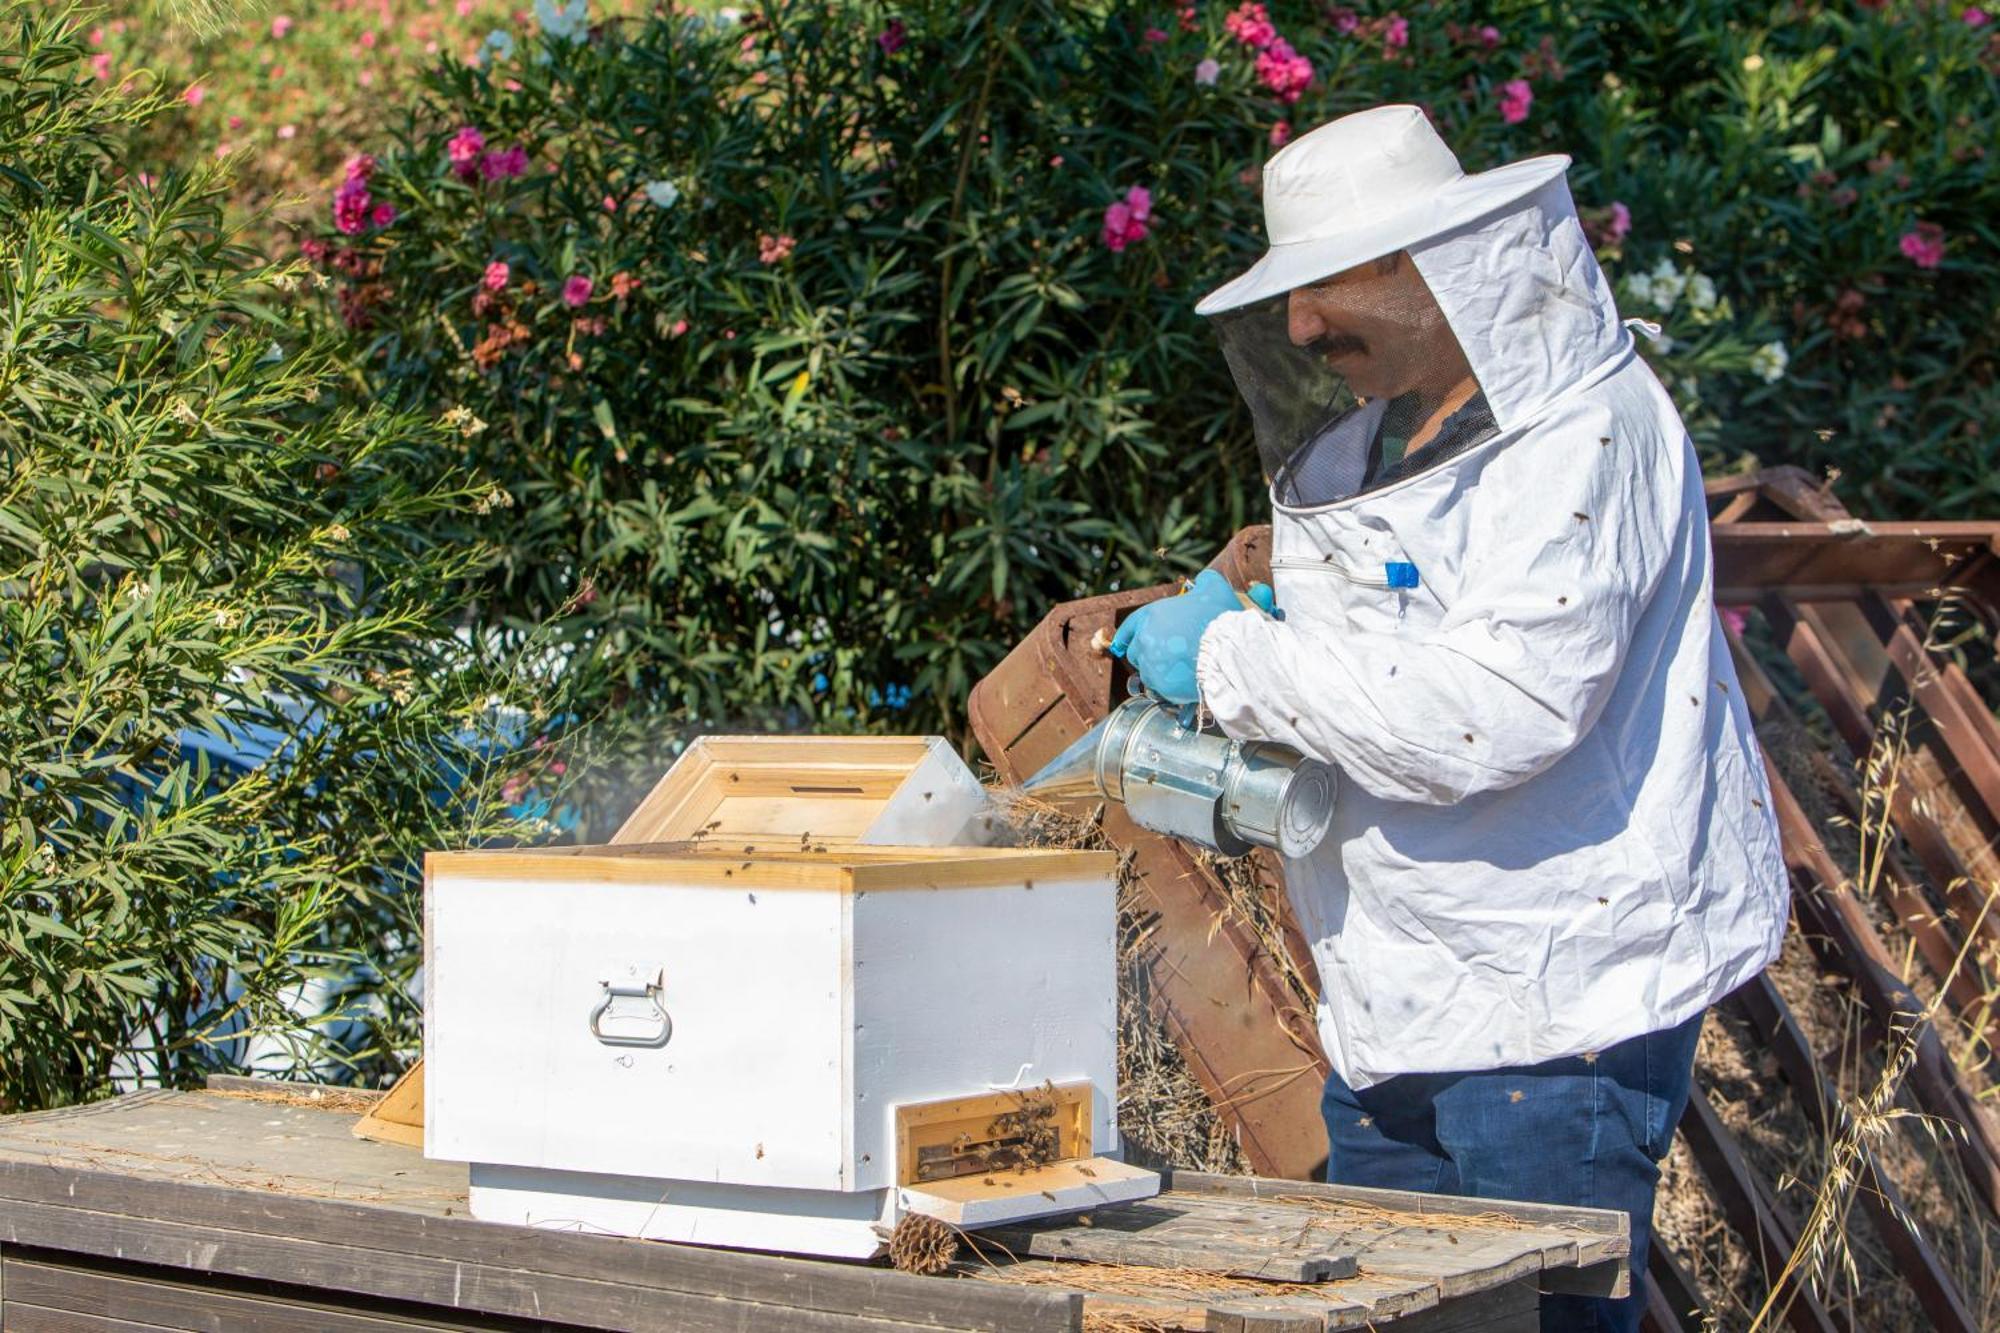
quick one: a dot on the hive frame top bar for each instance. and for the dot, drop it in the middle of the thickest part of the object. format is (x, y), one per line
(745, 863)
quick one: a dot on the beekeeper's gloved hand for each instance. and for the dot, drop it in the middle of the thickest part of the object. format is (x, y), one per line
(1162, 639)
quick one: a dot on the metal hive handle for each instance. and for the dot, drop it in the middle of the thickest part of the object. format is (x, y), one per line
(648, 991)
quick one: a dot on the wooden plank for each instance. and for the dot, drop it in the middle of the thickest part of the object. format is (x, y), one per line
(1604, 1223)
(1840, 559)
(19, 1318)
(1185, 1253)
(1844, 938)
(1679, 1299)
(1963, 975)
(1815, 1094)
(1925, 809)
(1171, 1234)
(486, 1288)
(437, 1246)
(149, 1300)
(1759, 1220)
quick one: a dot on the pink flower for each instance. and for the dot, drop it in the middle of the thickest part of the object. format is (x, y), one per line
(504, 165)
(774, 249)
(464, 150)
(313, 248)
(1516, 96)
(100, 65)
(280, 25)
(1281, 134)
(359, 167)
(1345, 21)
(1736, 617)
(1397, 35)
(1125, 222)
(463, 8)
(1206, 73)
(1284, 71)
(680, 327)
(287, 131)
(1154, 36)
(891, 38)
(1251, 25)
(576, 289)
(368, 40)
(1619, 225)
(235, 122)
(1974, 16)
(195, 94)
(351, 203)
(496, 277)
(610, 204)
(1489, 36)
(97, 36)
(1923, 245)
(383, 215)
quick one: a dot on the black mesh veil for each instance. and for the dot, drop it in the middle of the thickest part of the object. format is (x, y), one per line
(1351, 382)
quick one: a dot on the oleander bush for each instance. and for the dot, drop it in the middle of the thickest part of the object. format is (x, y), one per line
(237, 695)
(824, 346)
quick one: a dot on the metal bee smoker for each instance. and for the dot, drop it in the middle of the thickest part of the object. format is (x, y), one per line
(1229, 796)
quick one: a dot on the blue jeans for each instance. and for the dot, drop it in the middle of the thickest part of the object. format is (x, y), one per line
(1583, 1131)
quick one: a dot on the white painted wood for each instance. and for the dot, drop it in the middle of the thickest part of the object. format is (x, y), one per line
(748, 1089)
(971, 990)
(1061, 1188)
(849, 1225)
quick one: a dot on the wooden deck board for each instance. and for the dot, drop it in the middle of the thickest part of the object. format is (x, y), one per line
(274, 1188)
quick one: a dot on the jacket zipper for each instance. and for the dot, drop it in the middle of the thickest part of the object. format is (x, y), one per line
(1397, 574)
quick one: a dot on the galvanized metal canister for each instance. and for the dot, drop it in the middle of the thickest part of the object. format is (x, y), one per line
(1198, 785)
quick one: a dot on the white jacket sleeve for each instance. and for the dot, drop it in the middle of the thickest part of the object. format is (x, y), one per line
(1566, 541)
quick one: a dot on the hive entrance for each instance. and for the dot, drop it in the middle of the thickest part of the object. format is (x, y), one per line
(1001, 1131)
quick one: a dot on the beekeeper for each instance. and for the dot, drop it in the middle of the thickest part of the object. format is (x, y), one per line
(1553, 846)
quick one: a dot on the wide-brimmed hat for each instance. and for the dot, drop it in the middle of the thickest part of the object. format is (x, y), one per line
(1365, 186)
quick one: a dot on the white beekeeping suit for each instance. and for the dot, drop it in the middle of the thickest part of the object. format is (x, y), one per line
(1554, 831)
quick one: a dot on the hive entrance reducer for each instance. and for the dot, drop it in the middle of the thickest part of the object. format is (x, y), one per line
(755, 1020)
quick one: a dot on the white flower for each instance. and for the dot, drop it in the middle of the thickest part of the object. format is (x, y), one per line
(569, 22)
(727, 16)
(1667, 285)
(662, 194)
(337, 532)
(1663, 343)
(498, 46)
(1701, 293)
(1768, 362)
(1206, 73)
(1639, 287)
(225, 618)
(272, 353)
(462, 420)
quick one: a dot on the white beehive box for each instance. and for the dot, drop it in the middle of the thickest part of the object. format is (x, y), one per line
(774, 1035)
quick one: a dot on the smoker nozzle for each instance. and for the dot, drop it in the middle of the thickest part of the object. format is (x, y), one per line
(1225, 795)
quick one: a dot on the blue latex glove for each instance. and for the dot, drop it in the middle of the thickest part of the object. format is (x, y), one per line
(1162, 639)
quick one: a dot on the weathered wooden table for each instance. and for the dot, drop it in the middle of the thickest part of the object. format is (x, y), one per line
(257, 1209)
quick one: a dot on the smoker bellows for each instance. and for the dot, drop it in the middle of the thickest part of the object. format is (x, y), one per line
(750, 1022)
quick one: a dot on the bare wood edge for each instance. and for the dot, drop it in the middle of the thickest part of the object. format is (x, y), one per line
(847, 869)
(398, 1116)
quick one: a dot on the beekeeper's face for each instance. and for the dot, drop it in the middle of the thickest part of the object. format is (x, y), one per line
(1378, 325)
